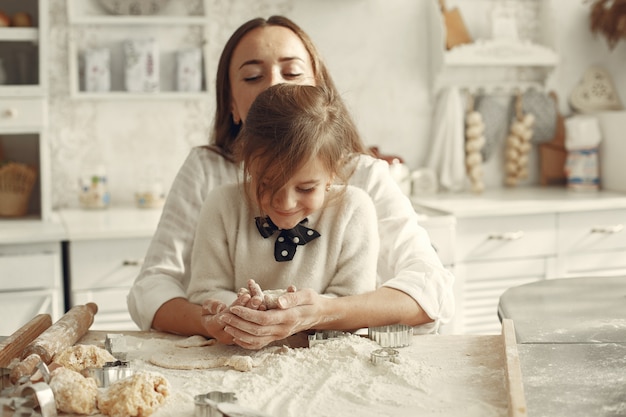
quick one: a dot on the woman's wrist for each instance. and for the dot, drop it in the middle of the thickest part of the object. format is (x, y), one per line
(179, 316)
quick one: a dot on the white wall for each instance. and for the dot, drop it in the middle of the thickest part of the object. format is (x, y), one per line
(379, 52)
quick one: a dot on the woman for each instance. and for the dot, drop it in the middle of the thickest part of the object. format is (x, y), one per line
(416, 289)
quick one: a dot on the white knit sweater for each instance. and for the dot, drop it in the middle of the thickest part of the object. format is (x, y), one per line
(228, 248)
(406, 260)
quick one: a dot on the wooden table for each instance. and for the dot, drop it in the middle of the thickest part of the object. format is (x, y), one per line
(458, 375)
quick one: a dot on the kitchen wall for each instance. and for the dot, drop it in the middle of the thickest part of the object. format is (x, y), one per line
(379, 51)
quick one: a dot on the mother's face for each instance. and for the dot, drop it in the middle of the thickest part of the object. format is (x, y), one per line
(266, 56)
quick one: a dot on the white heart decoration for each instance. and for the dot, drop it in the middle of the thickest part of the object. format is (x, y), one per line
(595, 92)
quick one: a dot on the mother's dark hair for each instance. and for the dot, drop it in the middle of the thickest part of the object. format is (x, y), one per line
(225, 130)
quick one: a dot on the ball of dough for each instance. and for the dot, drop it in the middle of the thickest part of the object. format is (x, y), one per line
(81, 357)
(73, 393)
(138, 395)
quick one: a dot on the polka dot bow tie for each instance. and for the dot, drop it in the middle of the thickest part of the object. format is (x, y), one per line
(288, 239)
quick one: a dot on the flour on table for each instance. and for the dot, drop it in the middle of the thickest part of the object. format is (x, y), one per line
(436, 376)
(73, 393)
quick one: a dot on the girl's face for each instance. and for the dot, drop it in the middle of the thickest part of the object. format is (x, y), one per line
(302, 195)
(264, 57)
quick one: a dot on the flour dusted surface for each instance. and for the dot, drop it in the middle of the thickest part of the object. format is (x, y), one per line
(437, 376)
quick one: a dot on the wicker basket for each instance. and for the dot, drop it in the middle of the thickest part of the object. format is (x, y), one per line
(16, 184)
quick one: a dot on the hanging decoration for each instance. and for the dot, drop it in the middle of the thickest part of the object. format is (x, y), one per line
(474, 143)
(608, 17)
(518, 145)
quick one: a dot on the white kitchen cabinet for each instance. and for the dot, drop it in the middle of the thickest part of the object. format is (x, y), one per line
(30, 283)
(102, 271)
(511, 236)
(23, 103)
(105, 250)
(592, 243)
(178, 26)
(494, 253)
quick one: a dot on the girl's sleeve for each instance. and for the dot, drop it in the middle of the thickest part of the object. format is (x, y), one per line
(407, 260)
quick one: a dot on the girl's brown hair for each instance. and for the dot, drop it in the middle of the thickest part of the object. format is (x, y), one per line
(287, 126)
(225, 130)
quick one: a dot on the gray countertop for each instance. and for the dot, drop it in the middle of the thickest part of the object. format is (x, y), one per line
(574, 380)
(571, 336)
(569, 310)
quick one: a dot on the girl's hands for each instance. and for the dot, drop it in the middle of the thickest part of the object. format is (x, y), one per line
(254, 329)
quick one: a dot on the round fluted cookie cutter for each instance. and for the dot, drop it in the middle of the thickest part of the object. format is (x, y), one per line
(207, 404)
(110, 373)
(393, 336)
(326, 336)
(384, 355)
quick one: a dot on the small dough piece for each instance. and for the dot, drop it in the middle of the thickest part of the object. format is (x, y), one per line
(240, 363)
(139, 395)
(195, 341)
(270, 298)
(73, 393)
(80, 357)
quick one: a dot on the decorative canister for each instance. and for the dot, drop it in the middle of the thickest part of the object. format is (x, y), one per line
(94, 190)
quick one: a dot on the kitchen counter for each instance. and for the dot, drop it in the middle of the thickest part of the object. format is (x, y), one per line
(572, 345)
(112, 223)
(568, 310)
(520, 201)
(19, 231)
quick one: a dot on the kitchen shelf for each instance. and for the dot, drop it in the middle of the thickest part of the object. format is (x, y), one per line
(19, 34)
(178, 26)
(501, 53)
(140, 20)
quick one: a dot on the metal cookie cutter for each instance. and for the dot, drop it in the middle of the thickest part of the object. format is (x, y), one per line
(110, 372)
(206, 404)
(325, 336)
(384, 355)
(394, 336)
(27, 399)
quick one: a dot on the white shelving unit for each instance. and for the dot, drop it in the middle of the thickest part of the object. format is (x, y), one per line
(489, 65)
(179, 25)
(23, 104)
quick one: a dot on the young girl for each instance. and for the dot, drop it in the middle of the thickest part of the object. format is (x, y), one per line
(293, 221)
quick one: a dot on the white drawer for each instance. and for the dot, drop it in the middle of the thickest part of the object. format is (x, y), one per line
(106, 263)
(30, 267)
(592, 231)
(112, 309)
(21, 112)
(17, 308)
(505, 237)
(609, 263)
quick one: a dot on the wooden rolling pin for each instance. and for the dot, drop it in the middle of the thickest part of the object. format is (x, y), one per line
(14, 345)
(62, 334)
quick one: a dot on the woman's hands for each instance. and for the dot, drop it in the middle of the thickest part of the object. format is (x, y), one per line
(254, 328)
